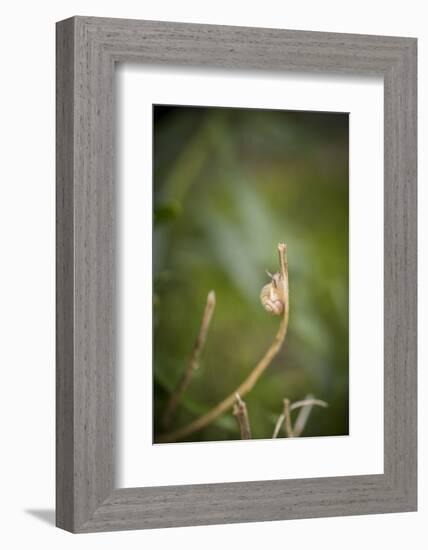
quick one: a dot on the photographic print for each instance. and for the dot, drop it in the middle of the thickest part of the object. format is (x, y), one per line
(250, 274)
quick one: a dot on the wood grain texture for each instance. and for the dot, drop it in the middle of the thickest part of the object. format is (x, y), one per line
(87, 50)
(64, 277)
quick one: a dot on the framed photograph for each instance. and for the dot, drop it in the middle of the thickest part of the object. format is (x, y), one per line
(236, 274)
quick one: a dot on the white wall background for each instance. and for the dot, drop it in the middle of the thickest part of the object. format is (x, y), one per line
(27, 272)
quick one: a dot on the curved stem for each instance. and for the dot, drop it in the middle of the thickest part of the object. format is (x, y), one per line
(305, 410)
(254, 375)
(194, 360)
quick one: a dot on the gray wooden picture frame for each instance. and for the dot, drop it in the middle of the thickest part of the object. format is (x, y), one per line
(87, 51)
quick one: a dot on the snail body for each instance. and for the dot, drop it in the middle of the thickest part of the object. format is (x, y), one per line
(272, 295)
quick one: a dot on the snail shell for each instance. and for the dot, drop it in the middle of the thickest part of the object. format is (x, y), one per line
(272, 295)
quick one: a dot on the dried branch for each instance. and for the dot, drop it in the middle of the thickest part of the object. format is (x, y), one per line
(194, 360)
(309, 400)
(241, 414)
(284, 416)
(278, 425)
(255, 374)
(306, 408)
(287, 417)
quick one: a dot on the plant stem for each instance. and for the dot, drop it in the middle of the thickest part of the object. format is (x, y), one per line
(287, 417)
(254, 375)
(306, 408)
(305, 405)
(241, 414)
(284, 416)
(278, 425)
(194, 360)
(306, 402)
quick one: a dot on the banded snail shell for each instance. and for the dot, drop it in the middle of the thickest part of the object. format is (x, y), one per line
(272, 295)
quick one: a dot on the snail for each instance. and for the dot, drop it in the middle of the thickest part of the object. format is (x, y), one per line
(272, 295)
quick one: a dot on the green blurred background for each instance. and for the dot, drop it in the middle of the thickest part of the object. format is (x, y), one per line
(229, 184)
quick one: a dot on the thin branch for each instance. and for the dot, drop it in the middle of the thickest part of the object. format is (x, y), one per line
(278, 425)
(287, 417)
(194, 360)
(241, 414)
(255, 374)
(307, 401)
(306, 406)
(305, 410)
(283, 265)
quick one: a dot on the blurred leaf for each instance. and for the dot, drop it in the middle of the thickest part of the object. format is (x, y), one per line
(229, 184)
(166, 212)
